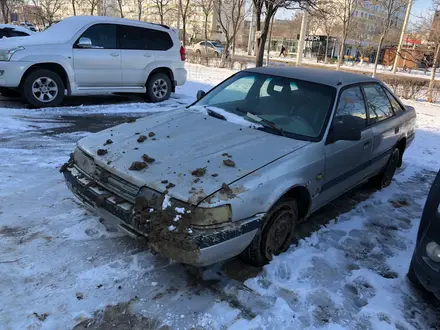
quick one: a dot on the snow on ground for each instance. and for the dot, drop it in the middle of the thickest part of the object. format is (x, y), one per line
(58, 258)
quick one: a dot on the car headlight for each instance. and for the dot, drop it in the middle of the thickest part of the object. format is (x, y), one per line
(211, 216)
(6, 54)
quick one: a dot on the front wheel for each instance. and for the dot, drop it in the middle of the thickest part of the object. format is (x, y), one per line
(412, 277)
(275, 235)
(43, 88)
(159, 87)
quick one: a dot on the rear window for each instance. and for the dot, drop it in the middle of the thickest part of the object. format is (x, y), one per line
(138, 38)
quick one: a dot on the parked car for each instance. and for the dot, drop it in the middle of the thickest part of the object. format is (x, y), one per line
(10, 31)
(235, 172)
(213, 48)
(93, 55)
(29, 26)
(424, 270)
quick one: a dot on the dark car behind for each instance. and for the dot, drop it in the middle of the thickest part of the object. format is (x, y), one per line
(424, 271)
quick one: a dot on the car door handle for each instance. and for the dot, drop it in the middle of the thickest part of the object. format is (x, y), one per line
(397, 129)
(366, 144)
(114, 54)
(147, 55)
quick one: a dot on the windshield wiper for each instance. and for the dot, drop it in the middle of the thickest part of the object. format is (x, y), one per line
(258, 119)
(212, 113)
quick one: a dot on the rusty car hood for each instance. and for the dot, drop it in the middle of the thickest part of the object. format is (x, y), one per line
(184, 141)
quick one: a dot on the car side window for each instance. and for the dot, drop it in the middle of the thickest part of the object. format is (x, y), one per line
(103, 36)
(202, 43)
(379, 107)
(351, 107)
(18, 34)
(158, 40)
(4, 33)
(396, 105)
(132, 37)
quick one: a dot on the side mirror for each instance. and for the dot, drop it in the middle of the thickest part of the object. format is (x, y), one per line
(345, 131)
(200, 94)
(84, 42)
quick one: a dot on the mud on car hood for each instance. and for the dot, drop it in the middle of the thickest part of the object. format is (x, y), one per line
(184, 141)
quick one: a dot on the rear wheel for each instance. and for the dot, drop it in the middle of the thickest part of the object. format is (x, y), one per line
(275, 235)
(384, 178)
(43, 88)
(159, 87)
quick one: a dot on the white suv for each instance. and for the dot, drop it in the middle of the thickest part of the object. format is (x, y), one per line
(93, 55)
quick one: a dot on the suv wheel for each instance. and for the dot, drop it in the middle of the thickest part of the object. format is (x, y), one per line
(159, 87)
(275, 235)
(43, 88)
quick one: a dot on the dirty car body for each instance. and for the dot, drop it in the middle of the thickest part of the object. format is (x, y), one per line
(221, 164)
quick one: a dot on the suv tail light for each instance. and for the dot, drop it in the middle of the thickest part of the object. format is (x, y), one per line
(182, 53)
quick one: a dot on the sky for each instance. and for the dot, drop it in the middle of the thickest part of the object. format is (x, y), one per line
(420, 7)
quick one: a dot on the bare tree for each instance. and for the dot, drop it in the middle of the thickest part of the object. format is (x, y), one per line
(121, 7)
(162, 7)
(93, 5)
(140, 8)
(264, 10)
(186, 11)
(390, 9)
(363, 36)
(430, 29)
(6, 6)
(327, 20)
(230, 16)
(47, 10)
(345, 11)
(207, 7)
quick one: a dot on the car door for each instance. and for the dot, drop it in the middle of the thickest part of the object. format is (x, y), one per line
(346, 161)
(98, 65)
(385, 130)
(136, 55)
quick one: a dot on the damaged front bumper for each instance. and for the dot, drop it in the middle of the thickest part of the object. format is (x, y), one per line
(200, 247)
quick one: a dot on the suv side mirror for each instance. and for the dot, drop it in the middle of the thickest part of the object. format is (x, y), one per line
(84, 42)
(349, 130)
(200, 94)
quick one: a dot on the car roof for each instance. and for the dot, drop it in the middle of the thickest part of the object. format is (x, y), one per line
(332, 78)
(83, 20)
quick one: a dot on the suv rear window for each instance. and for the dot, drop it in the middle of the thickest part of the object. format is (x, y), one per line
(138, 38)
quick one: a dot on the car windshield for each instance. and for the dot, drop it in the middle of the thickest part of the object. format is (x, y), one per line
(290, 107)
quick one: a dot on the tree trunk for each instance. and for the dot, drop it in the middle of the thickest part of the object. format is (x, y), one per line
(258, 40)
(376, 60)
(74, 7)
(120, 8)
(139, 10)
(206, 39)
(434, 69)
(341, 53)
(326, 49)
(262, 40)
(4, 11)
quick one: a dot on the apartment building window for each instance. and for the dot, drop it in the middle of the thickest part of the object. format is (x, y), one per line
(356, 13)
(362, 14)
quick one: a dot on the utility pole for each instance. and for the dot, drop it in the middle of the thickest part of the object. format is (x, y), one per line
(251, 32)
(302, 36)
(402, 35)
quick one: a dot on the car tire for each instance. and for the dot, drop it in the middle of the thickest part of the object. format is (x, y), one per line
(281, 219)
(412, 277)
(198, 52)
(216, 54)
(384, 178)
(159, 87)
(9, 92)
(43, 88)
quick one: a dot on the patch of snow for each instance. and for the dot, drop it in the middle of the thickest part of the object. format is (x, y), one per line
(166, 202)
(177, 218)
(180, 210)
(171, 228)
(189, 230)
(154, 283)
